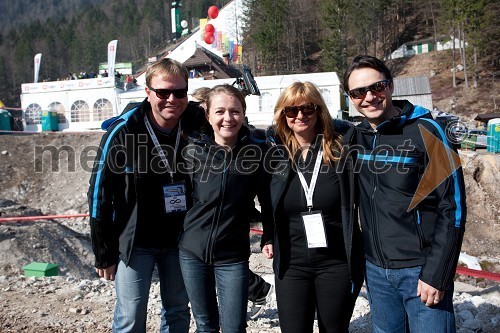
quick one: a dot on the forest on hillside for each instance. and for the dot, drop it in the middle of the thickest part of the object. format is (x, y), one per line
(280, 36)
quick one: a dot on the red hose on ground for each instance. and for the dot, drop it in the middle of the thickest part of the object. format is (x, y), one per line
(476, 273)
(44, 217)
(460, 270)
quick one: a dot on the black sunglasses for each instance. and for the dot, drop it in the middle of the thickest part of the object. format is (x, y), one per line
(293, 111)
(376, 88)
(165, 93)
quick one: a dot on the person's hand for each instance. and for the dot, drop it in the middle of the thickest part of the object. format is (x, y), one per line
(268, 251)
(428, 294)
(108, 273)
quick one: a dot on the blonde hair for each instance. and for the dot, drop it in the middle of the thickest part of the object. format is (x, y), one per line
(308, 92)
(166, 68)
(201, 94)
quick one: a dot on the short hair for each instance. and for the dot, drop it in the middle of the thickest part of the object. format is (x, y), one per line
(201, 94)
(309, 92)
(166, 68)
(228, 90)
(366, 61)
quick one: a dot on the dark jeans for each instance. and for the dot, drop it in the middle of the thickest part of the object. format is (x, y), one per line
(303, 290)
(257, 287)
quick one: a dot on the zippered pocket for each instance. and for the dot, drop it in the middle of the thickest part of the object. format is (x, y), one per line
(421, 236)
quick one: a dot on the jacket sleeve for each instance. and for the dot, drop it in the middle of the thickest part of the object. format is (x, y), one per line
(442, 213)
(104, 183)
(264, 196)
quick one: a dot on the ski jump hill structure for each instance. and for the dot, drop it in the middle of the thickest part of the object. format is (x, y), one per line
(83, 104)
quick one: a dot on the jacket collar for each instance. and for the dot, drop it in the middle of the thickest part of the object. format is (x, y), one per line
(409, 112)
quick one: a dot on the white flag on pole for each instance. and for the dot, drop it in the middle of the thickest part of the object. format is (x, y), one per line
(38, 59)
(112, 57)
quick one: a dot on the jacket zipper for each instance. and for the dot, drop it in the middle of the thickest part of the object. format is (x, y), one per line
(215, 223)
(376, 235)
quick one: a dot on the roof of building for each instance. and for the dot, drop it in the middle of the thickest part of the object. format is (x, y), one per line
(487, 116)
(203, 57)
(417, 85)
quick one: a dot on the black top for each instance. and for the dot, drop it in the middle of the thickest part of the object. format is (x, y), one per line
(326, 198)
(155, 227)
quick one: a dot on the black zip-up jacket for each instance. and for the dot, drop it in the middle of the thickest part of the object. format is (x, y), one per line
(225, 183)
(122, 187)
(392, 162)
(279, 165)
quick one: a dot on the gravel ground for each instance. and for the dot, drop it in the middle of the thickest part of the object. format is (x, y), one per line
(34, 182)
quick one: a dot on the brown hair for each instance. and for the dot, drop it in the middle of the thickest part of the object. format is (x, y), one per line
(166, 68)
(228, 90)
(307, 91)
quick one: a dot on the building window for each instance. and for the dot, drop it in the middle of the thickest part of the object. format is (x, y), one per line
(103, 109)
(80, 112)
(59, 108)
(32, 115)
(266, 102)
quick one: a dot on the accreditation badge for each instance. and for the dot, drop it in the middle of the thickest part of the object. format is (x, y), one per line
(315, 229)
(174, 195)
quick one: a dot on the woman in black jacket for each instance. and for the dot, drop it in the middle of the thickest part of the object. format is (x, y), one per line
(312, 231)
(225, 171)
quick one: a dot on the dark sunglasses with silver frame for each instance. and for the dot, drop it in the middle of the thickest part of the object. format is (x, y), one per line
(165, 93)
(293, 110)
(375, 88)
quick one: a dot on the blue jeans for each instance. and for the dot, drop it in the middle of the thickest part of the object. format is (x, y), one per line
(395, 306)
(206, 284)
(132, 284)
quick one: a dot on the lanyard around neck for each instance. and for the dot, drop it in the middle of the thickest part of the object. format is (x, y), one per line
(158, 147)
(309, 190)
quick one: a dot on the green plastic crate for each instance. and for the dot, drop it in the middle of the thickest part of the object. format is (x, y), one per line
(38, 269)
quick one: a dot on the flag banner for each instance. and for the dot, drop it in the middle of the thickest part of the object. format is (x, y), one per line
(112, 57)
(38, 59)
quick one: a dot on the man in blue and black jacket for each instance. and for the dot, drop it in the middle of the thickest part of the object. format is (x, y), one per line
(412, 204)
(138, 200)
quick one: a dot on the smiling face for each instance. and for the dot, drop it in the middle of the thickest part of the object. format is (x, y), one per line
(166, 112)
(226, 115)
(303, 126)
(375, 107)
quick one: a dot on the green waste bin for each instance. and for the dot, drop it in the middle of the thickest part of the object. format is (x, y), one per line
(494, 135)
(49, 121)
(5, 120)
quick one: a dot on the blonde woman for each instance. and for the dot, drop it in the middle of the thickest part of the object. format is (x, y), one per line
(311, 229)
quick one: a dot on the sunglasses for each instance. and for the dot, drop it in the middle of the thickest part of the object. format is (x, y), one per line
(165, 93)
(376, 88)
(293, 111)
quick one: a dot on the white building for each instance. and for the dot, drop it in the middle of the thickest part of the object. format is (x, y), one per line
(84, 104)
(426, 45)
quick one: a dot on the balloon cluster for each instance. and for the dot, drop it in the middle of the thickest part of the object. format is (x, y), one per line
(209, 37)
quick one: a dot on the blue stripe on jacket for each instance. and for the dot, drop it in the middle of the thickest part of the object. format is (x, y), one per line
(102, 159)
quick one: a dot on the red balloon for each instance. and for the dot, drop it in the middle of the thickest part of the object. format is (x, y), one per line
(209, 29)
(213, 12)
(209, 39)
